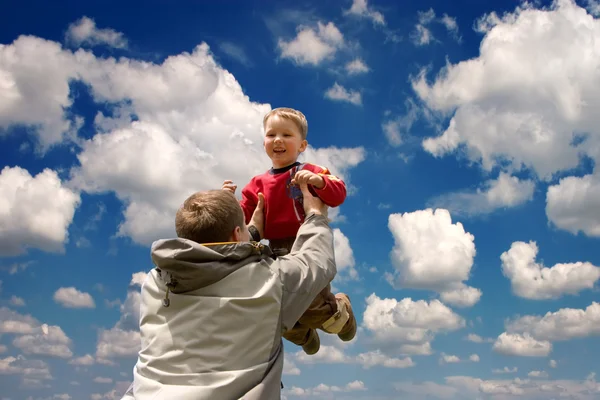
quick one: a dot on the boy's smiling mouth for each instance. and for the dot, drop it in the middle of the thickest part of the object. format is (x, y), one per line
(279, 151)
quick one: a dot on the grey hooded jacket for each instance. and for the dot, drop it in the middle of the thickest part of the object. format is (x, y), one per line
(228, 304)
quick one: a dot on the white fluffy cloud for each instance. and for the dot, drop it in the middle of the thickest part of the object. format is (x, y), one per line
(505, 370)
(102, 379)
(29, 370)
(334, 355)
(503, 192)
(13, 322)
(564, 324)
(123, 339)
(312, 45)
(407, 326)
(70, 297)
(471, 337)
(33, 337)
(433, 253)
(339, 93)
(83, 360)
(448, 359)
(34, 83)
(532, 280)
(533, 335)
(325, 390)
(45, 340)
(377, 358)
(537, 374)
(532, 87)
(35, 211)
(514, 344)
(344, 256)
(289, 367)
(464, 297)
(574, 204)
(84, 31)
(357, 66)
(467, 387)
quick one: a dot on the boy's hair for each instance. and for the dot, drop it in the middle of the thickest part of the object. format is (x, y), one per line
(289, 113)
(209, 217)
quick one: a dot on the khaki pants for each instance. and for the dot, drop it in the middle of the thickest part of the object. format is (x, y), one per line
(322, 308)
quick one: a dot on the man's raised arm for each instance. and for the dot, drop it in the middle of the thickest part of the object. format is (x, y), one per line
(311, 264)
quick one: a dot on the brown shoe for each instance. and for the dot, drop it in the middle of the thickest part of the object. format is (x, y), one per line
(313, 343)
(348, 332)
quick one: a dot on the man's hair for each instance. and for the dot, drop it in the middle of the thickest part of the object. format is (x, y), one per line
(209, 217)
(289, 113)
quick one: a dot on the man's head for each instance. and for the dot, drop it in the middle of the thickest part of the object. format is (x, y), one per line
(210, 217)
(285, 136)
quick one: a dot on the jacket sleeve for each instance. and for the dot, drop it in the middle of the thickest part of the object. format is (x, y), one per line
(249, 199)
(334, 192)
(129, 393)
(307, 269)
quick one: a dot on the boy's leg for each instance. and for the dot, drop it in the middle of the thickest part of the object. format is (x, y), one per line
(345, 328)
(332, 314)
(305, 337)
(304, 333)
(322, 308)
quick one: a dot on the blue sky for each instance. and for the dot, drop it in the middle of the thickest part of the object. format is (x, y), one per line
(467, 132)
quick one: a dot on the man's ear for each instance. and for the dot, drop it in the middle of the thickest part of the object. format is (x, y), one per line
(236, 235)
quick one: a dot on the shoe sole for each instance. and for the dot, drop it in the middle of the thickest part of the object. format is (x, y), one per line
(346, 337)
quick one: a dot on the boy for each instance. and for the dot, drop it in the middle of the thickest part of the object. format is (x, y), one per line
(285, 138)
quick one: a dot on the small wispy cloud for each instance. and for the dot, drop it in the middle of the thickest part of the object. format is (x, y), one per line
(236, 53)
(339, 93)
(85, 32)
(356, 66)
(504, 192)
(422, 34)
(360, 8)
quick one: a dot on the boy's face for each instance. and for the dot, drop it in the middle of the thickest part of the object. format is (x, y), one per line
(283, 141)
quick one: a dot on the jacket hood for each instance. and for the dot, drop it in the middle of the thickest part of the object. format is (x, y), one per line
(185, 265)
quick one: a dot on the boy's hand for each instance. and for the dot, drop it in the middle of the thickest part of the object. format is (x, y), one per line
(229, 186)
(309, 178)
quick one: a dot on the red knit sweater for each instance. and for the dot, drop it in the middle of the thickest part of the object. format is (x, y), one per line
(284, 212)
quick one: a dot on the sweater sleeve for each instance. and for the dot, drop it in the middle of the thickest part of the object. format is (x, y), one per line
(307, 269)
(334, 192)
(249, 199)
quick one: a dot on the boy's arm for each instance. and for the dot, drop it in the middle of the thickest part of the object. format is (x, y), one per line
(307, 269)
(334, 192)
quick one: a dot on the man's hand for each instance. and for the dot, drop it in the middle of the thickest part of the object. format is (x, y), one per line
(309, 178)
(229, 186)
(312, 204)
(258, 216)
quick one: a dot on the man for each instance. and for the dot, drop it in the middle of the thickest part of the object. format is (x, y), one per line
(213, 310)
